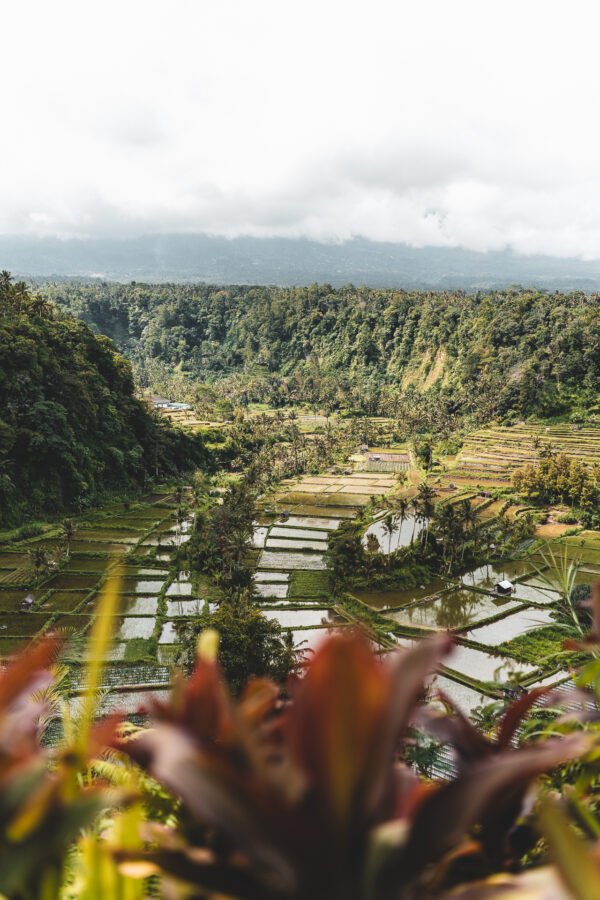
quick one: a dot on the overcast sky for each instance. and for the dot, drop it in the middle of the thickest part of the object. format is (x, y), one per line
(449, 122)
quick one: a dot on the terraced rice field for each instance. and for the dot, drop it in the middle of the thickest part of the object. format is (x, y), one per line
(150, 601)
(336, 491)
(292, 580)
(491, 455)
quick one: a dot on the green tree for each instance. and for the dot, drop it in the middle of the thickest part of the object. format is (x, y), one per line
(250, 645)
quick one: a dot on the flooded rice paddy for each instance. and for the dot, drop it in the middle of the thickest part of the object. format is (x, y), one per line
(273, 559)
(404, 533)
(310, 522)
(306, 534)
(391, 599)
(176, 608)
(272, 590)
(283, 544)
(139, 606)
(135, 627)
(511, 626)
(309, 638)
(452, 609)
(263, 577)
(486, 577)
(179, 589)
(466, 698)
(298, 618)
(168, 634)
(484, 666)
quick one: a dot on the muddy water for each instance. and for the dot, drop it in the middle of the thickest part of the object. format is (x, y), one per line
(392, 599)
(454, 609)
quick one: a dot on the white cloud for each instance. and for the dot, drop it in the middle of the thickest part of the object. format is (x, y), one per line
(462, 123)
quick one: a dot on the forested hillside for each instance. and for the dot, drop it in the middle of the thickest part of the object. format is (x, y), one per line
(70, 425)
(515, 352)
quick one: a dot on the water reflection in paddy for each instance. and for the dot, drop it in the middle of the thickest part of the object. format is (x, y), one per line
(407, 530)
(453, 609)
(187, 607)
(392, 599)
(295, 618)
(510, 627)
(486, 577)
(179, 589)
(465, 698)
(310, 638)
(484, 666)
(530, 591)
(140, 606)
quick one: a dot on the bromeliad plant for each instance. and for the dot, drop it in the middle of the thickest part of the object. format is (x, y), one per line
(310, 799)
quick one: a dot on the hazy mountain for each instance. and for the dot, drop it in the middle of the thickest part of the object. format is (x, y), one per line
(287, 262)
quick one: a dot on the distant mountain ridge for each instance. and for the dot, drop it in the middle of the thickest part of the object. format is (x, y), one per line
(288, 262)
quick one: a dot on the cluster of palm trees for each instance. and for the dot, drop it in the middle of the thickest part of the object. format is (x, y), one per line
(421, 508)
(448, 529)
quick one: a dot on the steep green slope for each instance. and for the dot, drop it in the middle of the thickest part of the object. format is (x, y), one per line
(519, 351)
(70, 425)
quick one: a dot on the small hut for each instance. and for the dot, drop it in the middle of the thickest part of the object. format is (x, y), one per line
(505, 588)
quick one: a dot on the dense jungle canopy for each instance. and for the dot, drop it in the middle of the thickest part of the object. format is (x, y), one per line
(71, 427)
(514, 352)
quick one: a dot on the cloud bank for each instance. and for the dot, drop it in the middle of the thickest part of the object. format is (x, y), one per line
(453, 124)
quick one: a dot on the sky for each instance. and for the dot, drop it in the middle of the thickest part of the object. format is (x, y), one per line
(471, 123)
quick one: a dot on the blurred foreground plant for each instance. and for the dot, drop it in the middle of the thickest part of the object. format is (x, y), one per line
(311, 801)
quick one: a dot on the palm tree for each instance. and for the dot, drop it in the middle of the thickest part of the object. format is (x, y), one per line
(402, 507)
(390, 527)
(426, 506)
(68, 530)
